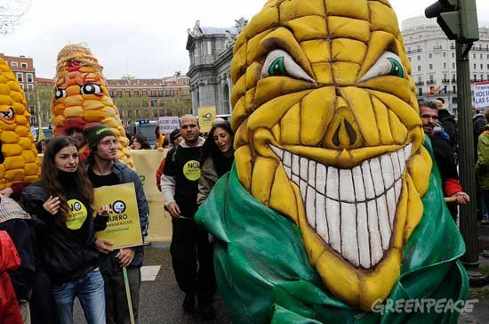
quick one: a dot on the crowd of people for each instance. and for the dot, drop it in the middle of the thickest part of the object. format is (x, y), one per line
(50, 253)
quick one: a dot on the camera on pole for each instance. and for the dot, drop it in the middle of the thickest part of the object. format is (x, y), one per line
(457, 18)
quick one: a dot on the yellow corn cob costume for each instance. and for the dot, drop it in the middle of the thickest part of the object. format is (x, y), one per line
(82, 96)
(325, 114)
(18, 158)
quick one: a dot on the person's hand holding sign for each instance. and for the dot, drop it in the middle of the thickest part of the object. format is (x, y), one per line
(125, 257)
(103, 246)
(52, 205)
(100, 223)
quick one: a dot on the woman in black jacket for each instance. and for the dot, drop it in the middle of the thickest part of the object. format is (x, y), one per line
(61, 203)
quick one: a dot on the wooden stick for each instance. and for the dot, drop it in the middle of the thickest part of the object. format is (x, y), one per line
(128, 295)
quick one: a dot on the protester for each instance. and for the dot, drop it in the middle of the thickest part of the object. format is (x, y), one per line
(139, 142)
(444, 156)
(447, 121)
(217, 157)
(479, 121)
(18, 224)
(9, 261)
(190, 248)
(105, 170)
(160, 138)
(73, 127)
(175, 138)
(62, 202)
(482, 172)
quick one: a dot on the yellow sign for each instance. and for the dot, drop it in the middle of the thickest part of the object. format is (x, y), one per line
(207, 116)
(123, 228)
(191, 170)
(77, 214)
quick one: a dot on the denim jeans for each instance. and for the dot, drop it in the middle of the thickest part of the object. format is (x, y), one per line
(90, 291)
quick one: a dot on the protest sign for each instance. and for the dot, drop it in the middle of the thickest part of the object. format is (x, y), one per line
(168, 124)
(481, 95)
(207, 116)
(123, 228)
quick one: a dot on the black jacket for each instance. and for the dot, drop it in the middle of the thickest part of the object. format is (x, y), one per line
(65, 254)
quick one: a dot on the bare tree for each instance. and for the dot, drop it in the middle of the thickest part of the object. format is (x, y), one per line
(11, 11)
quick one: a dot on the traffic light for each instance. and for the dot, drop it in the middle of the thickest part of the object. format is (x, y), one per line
(457, 18)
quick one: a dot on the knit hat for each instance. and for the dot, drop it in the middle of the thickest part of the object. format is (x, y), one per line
(174, 135)
(94, 133)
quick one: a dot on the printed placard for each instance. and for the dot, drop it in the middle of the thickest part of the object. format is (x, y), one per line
(207, 116)
(123, 228)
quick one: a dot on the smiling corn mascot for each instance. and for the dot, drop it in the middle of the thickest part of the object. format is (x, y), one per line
(82, 96)
(18, 154)
(333, 211)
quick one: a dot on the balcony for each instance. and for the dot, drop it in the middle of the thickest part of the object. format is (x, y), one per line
(430, 82)
(420, 83)
(445, 81)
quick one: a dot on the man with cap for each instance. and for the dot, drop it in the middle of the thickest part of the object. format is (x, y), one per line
(190, 248)
(104, 169)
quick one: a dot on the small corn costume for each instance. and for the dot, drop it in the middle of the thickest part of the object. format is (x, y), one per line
(334, 201)
(18, 154)
(82, 97)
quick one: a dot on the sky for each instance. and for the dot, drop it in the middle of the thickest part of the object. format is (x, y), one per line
(142, 38)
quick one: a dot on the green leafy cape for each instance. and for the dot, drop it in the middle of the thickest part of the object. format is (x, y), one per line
(264, 274)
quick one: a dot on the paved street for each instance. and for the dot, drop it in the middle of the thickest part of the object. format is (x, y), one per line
(161, 299)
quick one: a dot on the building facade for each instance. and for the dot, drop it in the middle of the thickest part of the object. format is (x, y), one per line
(149, 99)
(433, 59)
(210, 53)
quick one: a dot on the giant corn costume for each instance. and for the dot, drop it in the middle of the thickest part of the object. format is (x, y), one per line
(18, 154)
(334, 206)
(82, 97)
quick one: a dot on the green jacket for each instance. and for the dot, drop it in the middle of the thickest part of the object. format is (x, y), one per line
(482, 166)
(264, 274)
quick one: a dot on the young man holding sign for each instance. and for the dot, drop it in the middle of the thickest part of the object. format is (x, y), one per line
(105, 170)
(190, 248)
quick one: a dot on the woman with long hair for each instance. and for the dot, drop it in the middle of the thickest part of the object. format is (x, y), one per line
(139, 142)
(217, 157)
(61, 203)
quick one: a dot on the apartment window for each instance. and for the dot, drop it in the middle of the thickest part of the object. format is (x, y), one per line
(444, 65)
(431, 78)
(475, 77)
(488, 66)
(420, 92)
(482, 66)
(445, 76)
(453, 77)
(453, 55)
(22, 86)
(30, 78)
(475, 66)
(444, 54)
(419, 68)
(13, 64)
(430, 55)
(453, 65)
(30, 87)
(20, 77)
(431, 66)
(473, 55)
(454, 88)
(23, 65)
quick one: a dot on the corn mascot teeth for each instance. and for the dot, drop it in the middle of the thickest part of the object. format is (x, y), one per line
(82, 96)
(334, 208)
(18, 154)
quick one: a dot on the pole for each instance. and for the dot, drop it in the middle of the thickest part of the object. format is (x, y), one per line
(468, 214)
(128, 295)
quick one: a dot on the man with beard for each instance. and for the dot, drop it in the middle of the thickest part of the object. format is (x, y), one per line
(190, 248)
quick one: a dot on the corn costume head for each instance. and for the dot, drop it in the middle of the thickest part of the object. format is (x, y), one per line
(82, 97)
(18, 154)
(334, 206)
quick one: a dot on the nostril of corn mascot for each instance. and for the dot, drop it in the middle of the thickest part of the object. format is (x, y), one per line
(18, 154)
(82, 98)
(333, 210)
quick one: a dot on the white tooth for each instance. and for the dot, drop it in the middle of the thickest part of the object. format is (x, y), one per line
(377, 176)
(395, 164)
(349, 244)
(277, 151)
(373, 228)
(368, 182)
(321, 223)
(303, 186)
(398, 188)
(359, 186)
(391, 206)
(295, 179)
(332, 183)
(347, 193)
(402, 160)
(407, 151)
(333, 219)
(304, 168)
(295, 164)
(384, 224)
(311, 206)
(287, 159)
(312, 174)
(387, 171)
(321, 178)
(288, 171)
(363, 236)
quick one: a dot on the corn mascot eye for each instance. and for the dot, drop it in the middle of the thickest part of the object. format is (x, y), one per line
(388, 64)
(91, 89)
(280, 63)
(59, 93)
(8, 115)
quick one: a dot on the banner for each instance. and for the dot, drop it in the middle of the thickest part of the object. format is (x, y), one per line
(168, 124)
(123, 228)
(207, 116)
(481, 95)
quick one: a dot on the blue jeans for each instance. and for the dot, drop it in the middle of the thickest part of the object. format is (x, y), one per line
(90, 291)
